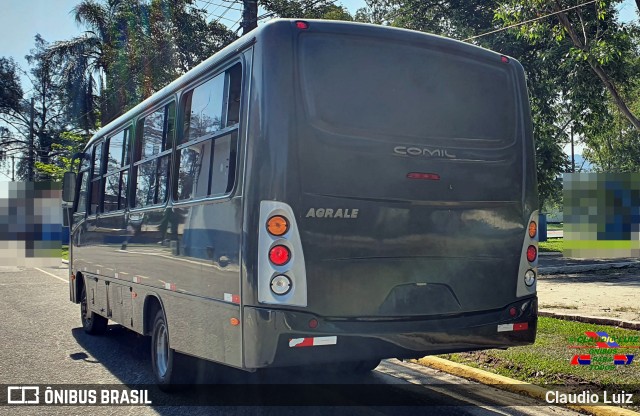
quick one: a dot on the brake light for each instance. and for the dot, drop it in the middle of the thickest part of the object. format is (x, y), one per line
(421, 175)
(532, 253)
(277, 225)
(302, 25)
(279, 255)
(533, 229)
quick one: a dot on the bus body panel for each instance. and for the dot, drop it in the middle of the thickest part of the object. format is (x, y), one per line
(396, 266)
(186, 255)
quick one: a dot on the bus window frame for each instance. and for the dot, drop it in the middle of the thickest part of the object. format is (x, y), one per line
(227, 130)
(117, 172)
(137, 154)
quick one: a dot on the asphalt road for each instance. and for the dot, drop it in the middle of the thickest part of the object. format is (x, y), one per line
(42, 343)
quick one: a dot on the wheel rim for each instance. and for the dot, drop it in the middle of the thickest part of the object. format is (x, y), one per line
(162, 350)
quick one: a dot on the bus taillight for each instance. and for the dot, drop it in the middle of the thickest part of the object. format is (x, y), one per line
(279, 255)
(533, 229)
(281, 285)
(532, 254)
(529, 278)
(277, 225)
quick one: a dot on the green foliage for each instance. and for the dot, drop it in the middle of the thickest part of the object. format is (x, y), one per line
(60, 160)
(551, 245)
(136, 48)
(306, 9)
(10, 88)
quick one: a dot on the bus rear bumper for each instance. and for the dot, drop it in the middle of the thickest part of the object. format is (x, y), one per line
(280, 338)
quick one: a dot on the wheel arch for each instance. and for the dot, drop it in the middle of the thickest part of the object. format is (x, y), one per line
(152, 304)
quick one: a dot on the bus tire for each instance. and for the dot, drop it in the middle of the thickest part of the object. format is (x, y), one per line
(169, 367)
(93, 324)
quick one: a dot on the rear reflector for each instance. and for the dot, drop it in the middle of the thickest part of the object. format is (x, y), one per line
(427, 176)
(312, 342)
(523, 326)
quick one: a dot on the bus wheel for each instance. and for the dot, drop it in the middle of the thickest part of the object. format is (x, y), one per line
(92, 323)
(169, 367)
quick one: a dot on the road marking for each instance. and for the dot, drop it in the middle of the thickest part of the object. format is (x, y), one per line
(52, 275)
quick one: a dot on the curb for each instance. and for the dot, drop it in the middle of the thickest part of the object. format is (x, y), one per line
(516, 386)
(586, 267)
(592, 320)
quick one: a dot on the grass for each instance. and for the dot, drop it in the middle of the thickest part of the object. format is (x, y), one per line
(65, 252)
(548, 360)
(555, 226)
(556, 306)
(551, 245)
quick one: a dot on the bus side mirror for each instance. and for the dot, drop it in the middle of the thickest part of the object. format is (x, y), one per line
(68, 187)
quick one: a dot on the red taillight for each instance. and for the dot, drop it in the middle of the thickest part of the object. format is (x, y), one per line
(427, 176)
(504, 59)
(302, 25)
(532, 253)
(279, 255)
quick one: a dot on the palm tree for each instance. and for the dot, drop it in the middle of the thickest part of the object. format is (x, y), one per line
(92, 55)
(131, 49)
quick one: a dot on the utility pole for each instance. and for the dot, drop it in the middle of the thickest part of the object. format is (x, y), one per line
(249, 16)
(13, 168)
(31, 134)
(573, 157)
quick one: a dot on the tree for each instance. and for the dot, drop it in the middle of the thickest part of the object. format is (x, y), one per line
(10, 89)
(48, 116)
(596, 38)
(306, 9)
(135, 48)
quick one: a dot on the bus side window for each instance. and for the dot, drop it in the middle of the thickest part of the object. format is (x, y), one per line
(152, 164)
(81, 207)
(207, 159)
(233, 103)
(96, 179)
(115, 180)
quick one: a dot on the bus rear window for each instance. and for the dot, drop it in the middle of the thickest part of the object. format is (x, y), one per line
(374, 87)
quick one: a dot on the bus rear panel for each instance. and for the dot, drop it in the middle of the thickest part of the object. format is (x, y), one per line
(404, 165)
